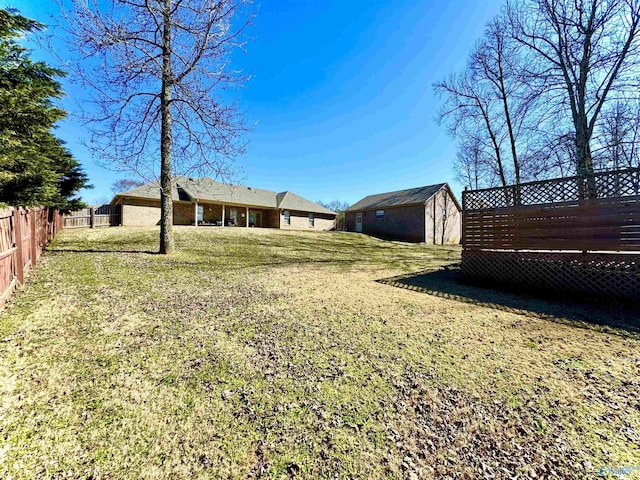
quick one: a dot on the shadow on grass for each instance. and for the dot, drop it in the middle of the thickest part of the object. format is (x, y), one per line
(446, 283)
(238, 262)
(129, 244)
(96, 250)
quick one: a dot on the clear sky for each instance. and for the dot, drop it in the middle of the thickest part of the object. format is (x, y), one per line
(341, 99)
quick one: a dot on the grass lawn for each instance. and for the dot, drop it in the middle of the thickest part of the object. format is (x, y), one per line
(275, 354)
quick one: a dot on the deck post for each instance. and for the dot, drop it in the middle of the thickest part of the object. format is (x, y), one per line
(246, 223)
(223, 214)
(195, 211)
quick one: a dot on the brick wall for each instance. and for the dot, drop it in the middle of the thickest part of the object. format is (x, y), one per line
(405, 223)
(142, 213)
(300, 221)
(183, 213)
(212, 212)
(350, 221)
(271, 218)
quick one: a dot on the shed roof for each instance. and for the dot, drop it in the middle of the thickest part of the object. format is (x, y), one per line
(207, 189)
(410, 196)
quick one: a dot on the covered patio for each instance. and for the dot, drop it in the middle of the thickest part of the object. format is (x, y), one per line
(232, 215)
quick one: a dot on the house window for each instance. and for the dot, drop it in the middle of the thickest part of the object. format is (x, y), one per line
(200, 213)
(287, 217)
(233, 217)
(379, 213)
(311, 220)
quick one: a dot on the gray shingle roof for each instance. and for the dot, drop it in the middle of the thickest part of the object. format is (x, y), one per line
(207, 189)
(411, 196)
(290, 201)
(152, 191)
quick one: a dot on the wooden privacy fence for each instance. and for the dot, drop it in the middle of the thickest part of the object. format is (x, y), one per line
(575, 234)
(24, 234)
(102, 216)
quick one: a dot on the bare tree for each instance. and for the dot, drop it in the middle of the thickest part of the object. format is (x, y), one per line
(538, 84)
(469, 107)
(494, 63)
(160, 72)
(632, 144)
(619, 142)
(582, 54)
(471, 165)
(490, 103)
(125, 184)
(334, 205)
(339, 207)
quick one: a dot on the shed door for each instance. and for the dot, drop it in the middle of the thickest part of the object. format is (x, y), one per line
(359, 222)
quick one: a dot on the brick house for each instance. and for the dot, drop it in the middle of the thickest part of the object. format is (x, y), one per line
(218, 204)
(429, 214)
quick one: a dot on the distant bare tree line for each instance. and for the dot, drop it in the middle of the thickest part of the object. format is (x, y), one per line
(551, 89)
(340, 208)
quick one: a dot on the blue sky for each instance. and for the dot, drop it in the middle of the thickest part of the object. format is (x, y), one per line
(341, 100)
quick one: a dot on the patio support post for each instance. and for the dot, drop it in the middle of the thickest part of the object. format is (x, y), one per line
(223, 214)
(195, 211)
(247, 219)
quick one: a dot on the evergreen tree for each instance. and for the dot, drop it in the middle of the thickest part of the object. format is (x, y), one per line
(35, 166)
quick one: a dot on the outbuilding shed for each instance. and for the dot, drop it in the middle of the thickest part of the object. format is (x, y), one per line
(429, 214)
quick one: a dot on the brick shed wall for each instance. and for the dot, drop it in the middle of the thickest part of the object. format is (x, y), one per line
(350, 221)
(405, 223)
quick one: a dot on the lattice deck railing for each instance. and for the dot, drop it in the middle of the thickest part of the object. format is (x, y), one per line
(614, 184)
(563, 234)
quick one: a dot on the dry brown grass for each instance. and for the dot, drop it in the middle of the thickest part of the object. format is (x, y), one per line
(278, 354)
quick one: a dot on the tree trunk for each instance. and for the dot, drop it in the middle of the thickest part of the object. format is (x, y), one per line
(583, 154)
(494, 142)
(507, 114)
(584, 161)
(166, 200)
(512, 137)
